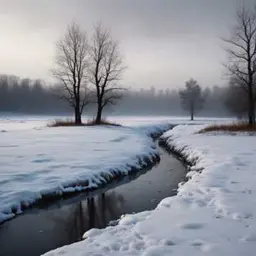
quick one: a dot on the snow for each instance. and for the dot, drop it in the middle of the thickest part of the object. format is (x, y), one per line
(38, 161)
(18, 123)
(10, 125)
(212, 214)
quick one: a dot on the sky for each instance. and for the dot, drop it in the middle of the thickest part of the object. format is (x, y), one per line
(164, 42)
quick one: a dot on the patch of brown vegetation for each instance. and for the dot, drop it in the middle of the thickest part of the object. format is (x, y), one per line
(233, 127)
(103, 122)
(71, 123)
(63, 123)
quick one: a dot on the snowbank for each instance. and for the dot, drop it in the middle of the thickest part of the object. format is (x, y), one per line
(213, 213)
(48, 162)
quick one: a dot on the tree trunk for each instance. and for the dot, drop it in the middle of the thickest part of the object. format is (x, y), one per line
(251, 107)
(251, 104)
(192, 112)
(192, 116)
(99, 114)
(78, 119)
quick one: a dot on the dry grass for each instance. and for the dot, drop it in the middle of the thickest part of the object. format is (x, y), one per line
(63, 123)
(71, 123)
(103, 122)
(233, 127)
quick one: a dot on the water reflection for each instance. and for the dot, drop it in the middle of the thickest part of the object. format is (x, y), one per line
(94, 212)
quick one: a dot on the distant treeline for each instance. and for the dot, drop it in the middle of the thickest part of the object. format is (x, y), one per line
(26, 96)
(167, 102)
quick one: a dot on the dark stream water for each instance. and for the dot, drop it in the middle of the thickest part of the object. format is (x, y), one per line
(49, 226)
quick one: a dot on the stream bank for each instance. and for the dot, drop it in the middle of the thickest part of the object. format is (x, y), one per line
(48, 226)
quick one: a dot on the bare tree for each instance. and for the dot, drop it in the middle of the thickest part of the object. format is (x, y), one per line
(192, 97)
(71, 69)
(242, 56)
(106, 69)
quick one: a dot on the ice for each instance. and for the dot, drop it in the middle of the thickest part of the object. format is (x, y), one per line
(213, 213)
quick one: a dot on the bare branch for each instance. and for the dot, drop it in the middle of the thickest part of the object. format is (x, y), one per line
(107, 68)
(71, 68)
(242, 56)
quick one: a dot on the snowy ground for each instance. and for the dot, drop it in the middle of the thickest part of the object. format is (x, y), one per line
(18, 123)
(213, 213)
(36, 160)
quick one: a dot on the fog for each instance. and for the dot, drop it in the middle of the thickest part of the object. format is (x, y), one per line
(164, 42)
(27, 96)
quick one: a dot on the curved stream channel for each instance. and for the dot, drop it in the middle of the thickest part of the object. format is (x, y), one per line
(46, 227)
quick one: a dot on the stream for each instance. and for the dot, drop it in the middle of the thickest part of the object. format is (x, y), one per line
(50, 225)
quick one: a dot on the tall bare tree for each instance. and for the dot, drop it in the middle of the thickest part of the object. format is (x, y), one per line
(242, 56)
(106, 69)
(71, 69)
(192, 97)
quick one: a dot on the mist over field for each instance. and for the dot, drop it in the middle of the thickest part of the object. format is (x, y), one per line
(34, 97)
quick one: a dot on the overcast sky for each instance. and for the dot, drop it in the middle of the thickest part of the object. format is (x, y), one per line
(165, 42)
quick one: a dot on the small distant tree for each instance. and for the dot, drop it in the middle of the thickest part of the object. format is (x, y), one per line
(191, 97)
(242, 56)
(71, 69)
(106, 66)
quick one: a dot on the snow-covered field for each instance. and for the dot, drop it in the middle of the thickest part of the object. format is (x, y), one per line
(14, 123)
(38, 161)
(213, 213)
